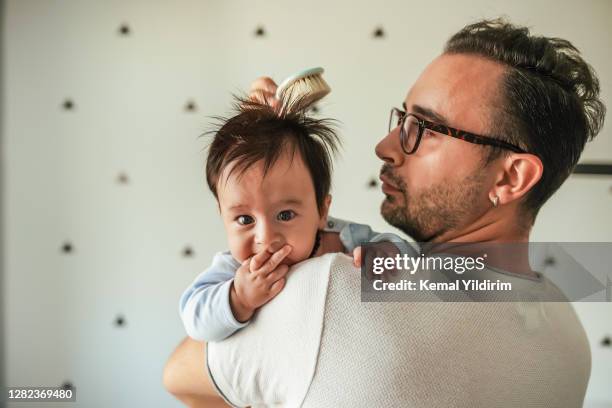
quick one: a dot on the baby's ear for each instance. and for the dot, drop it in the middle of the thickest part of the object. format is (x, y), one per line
(325, 211)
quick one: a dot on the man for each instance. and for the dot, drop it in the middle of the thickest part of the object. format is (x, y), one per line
(485, 136)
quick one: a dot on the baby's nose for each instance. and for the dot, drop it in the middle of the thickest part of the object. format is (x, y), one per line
(267, 236)
(275, 246)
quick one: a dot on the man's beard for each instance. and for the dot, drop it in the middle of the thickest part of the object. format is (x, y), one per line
(433, 211)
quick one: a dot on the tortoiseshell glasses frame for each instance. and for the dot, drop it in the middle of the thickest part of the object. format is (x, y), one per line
(410, 140)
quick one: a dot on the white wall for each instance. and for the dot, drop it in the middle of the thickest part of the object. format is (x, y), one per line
(60, 167)
(2, 200)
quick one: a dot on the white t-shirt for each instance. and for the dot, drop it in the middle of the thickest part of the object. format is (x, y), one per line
(317, 345)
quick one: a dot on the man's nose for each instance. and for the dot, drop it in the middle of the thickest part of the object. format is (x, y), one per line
(389, 148)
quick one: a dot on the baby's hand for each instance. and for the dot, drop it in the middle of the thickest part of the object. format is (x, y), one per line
(258, 280)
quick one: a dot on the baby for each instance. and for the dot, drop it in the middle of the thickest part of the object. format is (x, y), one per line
(271, 177)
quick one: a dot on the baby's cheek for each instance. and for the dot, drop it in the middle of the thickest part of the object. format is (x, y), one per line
(240, 249)
(301, 250)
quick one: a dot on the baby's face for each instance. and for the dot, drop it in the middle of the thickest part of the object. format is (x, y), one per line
(280, 207)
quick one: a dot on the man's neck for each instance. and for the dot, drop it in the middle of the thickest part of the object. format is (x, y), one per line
(500, 234)
(495, 225)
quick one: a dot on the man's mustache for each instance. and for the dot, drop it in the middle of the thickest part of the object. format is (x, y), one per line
(386, 171)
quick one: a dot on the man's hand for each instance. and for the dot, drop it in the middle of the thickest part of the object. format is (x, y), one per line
(263, 90)
(383, 249)
(357, 257)
(259, 279)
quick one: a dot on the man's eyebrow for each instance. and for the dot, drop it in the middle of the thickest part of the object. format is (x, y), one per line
(428, 114)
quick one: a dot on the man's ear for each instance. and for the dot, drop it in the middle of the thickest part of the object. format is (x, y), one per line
(520, 173)
(325, 211)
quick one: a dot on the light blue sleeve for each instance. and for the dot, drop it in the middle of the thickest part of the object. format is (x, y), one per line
(353, 235)
(204, 306)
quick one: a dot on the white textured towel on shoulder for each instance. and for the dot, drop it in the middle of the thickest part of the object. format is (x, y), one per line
(271, 362)
(316, 345)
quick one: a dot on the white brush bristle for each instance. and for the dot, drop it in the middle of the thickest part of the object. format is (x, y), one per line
(304, 92)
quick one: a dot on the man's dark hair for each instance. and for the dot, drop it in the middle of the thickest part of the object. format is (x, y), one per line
(550, 98)
(257, 132)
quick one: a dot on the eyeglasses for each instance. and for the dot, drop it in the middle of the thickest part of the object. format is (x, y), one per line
(412, 128)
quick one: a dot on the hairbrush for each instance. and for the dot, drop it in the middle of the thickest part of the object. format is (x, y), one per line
(302, 90)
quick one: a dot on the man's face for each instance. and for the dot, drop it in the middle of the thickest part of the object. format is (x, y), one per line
(442, 188)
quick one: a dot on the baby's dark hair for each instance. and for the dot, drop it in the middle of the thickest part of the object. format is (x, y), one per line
(258, 132)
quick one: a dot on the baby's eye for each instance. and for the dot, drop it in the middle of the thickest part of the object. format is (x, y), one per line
(244, 219)
(286, 215)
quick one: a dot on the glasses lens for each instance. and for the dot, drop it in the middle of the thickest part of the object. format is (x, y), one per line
(410, 133)
(394, 119)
